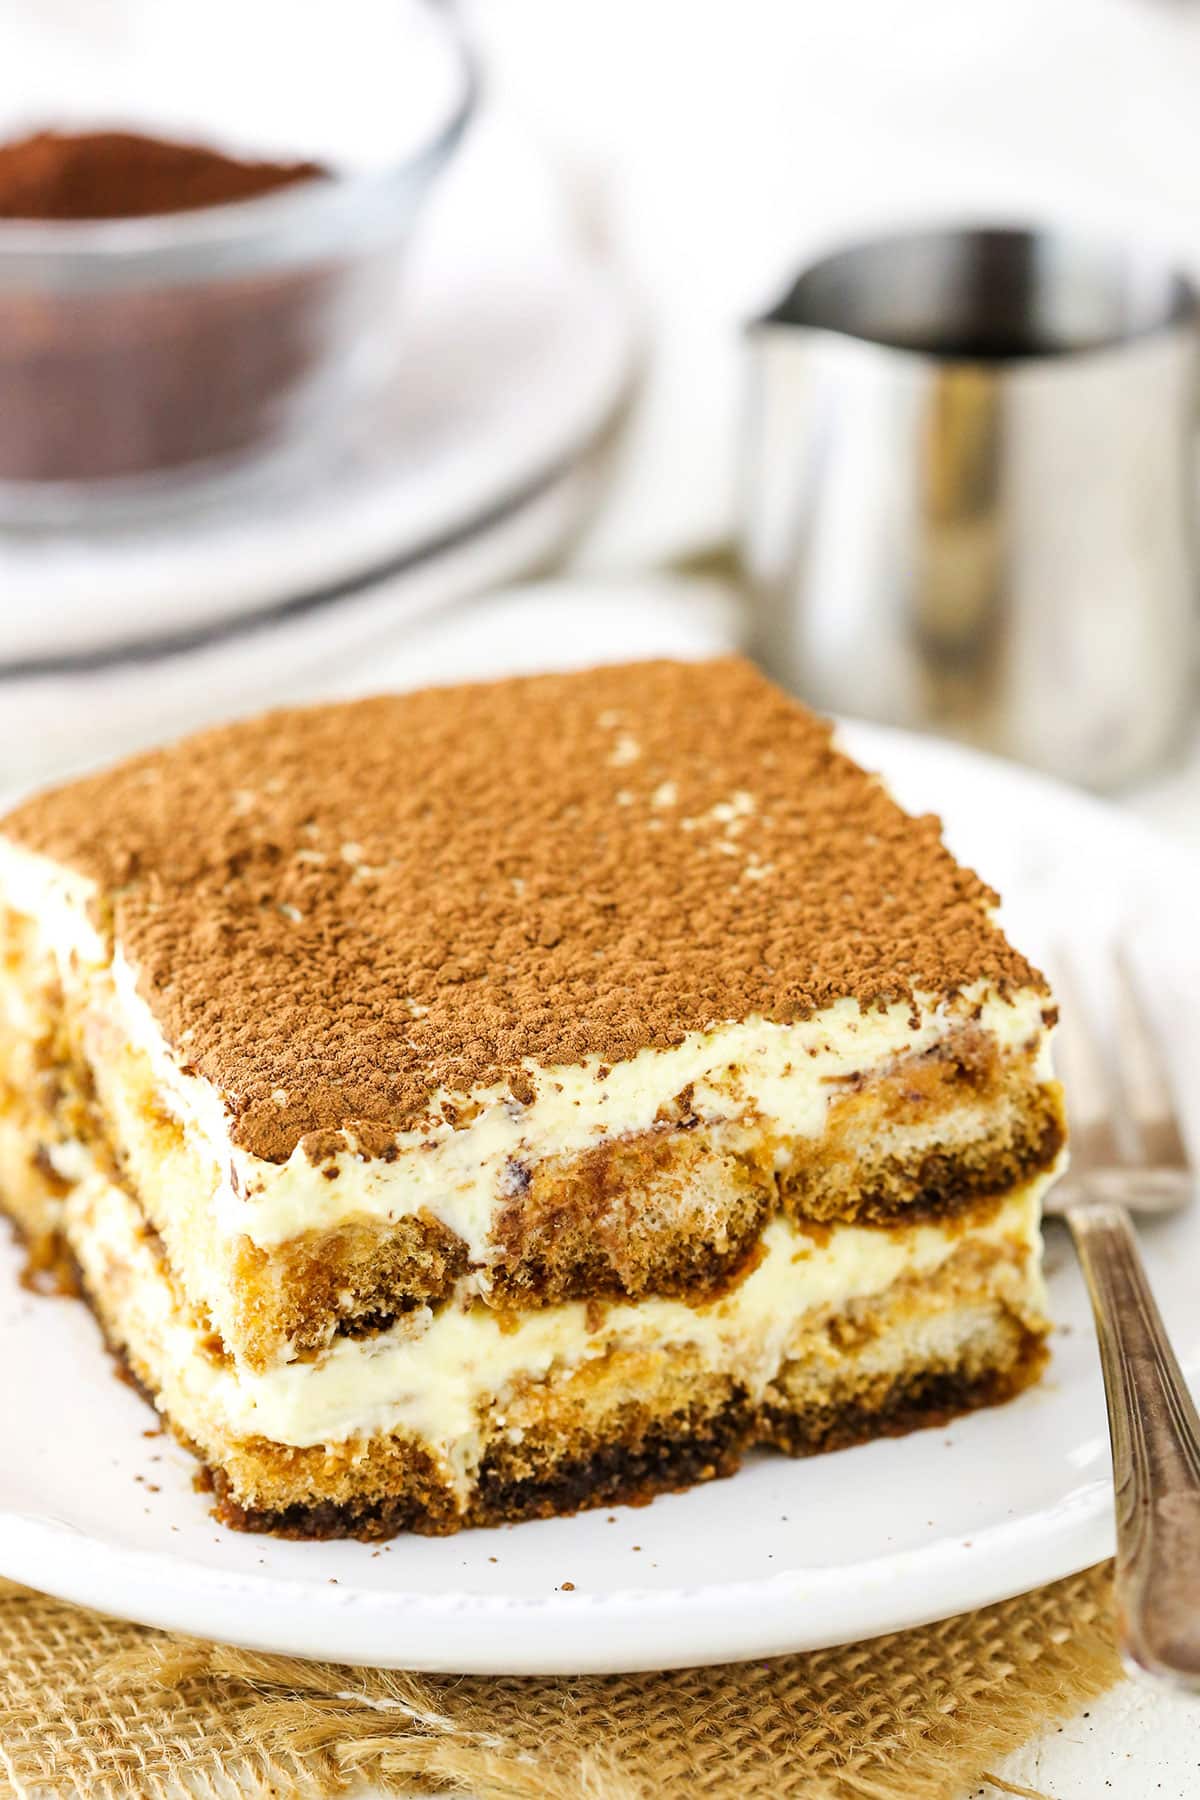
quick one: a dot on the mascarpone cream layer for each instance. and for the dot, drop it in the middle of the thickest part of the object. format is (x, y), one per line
(752, 1074)
(437, 1374)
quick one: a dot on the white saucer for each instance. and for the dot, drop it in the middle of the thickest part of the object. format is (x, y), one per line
(66, 718)
(785, 1555)
(516, 345)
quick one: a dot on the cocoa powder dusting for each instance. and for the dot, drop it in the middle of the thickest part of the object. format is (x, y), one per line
(125, 175)
(348, 907)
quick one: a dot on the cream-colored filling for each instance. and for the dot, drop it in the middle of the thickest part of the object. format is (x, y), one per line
(778, 1079)
(437, 1375)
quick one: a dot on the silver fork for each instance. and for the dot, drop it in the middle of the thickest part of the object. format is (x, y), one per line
(1128, 1156)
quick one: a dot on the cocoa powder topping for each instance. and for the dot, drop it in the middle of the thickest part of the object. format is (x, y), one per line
(335, 912)
(125, 175)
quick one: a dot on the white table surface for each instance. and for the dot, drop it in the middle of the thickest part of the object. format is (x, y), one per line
(719, 143)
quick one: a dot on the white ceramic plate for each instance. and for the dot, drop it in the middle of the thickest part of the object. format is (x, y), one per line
(785, 1556)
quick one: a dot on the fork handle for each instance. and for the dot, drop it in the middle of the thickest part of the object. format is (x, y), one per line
(1155, 1436)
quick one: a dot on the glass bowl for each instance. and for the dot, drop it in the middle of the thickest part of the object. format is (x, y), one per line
(147, 358)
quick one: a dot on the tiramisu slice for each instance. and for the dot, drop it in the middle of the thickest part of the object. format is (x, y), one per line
(489, 1101)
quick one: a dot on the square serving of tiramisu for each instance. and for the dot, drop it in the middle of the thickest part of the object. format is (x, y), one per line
(496, 1100)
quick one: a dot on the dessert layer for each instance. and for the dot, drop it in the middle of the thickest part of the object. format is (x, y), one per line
(328, 937)
(476, 1149)
(436, 1374)
(476, 1153)
(444, 1413)
(668, 1435)
(624, 1185)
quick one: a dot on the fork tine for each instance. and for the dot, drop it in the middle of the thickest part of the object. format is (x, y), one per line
(1091, 1100)
(1147, 1090)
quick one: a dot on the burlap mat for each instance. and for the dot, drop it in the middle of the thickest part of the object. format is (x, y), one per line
(91, 1706)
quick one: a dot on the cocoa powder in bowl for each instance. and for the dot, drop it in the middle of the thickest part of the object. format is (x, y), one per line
(124, 175)
(117, 381)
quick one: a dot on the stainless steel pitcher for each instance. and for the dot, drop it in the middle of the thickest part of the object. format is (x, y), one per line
(972, 491)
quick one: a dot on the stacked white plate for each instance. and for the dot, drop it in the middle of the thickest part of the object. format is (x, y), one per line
(516, 347)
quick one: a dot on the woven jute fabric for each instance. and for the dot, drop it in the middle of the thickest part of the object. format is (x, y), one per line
(90, 1705)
